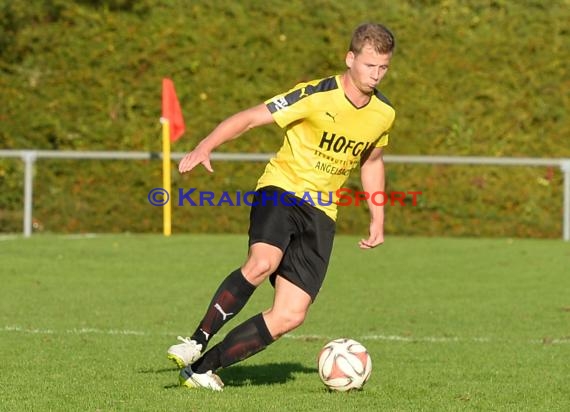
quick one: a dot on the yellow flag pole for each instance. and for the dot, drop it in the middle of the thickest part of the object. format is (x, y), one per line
(166, 209)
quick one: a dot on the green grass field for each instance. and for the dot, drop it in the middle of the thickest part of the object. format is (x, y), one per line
(451, 324)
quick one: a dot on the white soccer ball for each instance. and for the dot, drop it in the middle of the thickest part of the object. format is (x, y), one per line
(344, 364)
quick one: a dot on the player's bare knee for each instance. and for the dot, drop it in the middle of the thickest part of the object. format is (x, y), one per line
(257, 269)
(290, 321)
(281, 323)
(297, 321)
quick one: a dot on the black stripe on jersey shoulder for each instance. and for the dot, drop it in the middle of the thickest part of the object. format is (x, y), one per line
(382, 98)
(293, 97)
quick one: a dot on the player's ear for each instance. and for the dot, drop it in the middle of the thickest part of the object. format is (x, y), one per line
(349, 59)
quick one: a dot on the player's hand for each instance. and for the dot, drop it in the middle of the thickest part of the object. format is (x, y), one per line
(375, 238)
(194, 158)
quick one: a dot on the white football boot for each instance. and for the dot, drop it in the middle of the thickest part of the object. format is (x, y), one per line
(207, 380)
(185, 353)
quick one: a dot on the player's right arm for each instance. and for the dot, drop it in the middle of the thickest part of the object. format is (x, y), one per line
(227, 130)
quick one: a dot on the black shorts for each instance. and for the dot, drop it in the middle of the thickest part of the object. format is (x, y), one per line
(304, 233)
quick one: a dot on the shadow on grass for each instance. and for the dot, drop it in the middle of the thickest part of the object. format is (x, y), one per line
(267, 374)
(162, 370)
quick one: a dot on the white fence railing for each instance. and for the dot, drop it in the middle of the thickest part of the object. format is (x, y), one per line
(30, 156)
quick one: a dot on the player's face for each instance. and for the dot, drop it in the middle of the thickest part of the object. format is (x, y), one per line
(367, 68)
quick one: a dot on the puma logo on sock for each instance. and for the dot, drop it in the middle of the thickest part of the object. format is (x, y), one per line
(224, 314)
(206, 334)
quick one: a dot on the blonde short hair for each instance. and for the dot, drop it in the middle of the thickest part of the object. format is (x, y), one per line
(375, 35)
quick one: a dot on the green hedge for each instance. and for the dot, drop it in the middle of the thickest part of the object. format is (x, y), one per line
(483, 78)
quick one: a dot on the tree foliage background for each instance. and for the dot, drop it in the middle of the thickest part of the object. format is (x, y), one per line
(480, 78)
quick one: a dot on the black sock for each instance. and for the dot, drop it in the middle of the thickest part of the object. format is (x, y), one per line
(229, 299)
(240, 343)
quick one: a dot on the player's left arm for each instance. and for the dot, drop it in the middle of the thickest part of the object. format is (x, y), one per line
(229, 129)
(373, 180)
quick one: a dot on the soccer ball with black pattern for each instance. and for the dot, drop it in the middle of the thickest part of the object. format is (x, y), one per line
(344, 364)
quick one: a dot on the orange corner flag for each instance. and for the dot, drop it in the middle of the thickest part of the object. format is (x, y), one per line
(171, 110)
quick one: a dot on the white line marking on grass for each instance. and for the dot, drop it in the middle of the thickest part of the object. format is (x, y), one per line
(436, 339)
(10, 237)
(83, 331)
(65, 237)
(396, 338)
(430, 339)
(75, 331)
(387, 338)
(25, 330)
(79, 236)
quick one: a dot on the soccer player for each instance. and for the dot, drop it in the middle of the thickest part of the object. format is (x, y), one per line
(331, 125)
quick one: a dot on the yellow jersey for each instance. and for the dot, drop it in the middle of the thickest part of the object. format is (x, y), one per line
(325, 137)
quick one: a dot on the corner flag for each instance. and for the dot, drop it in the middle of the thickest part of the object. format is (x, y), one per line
(172, 129)
(171, 110)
